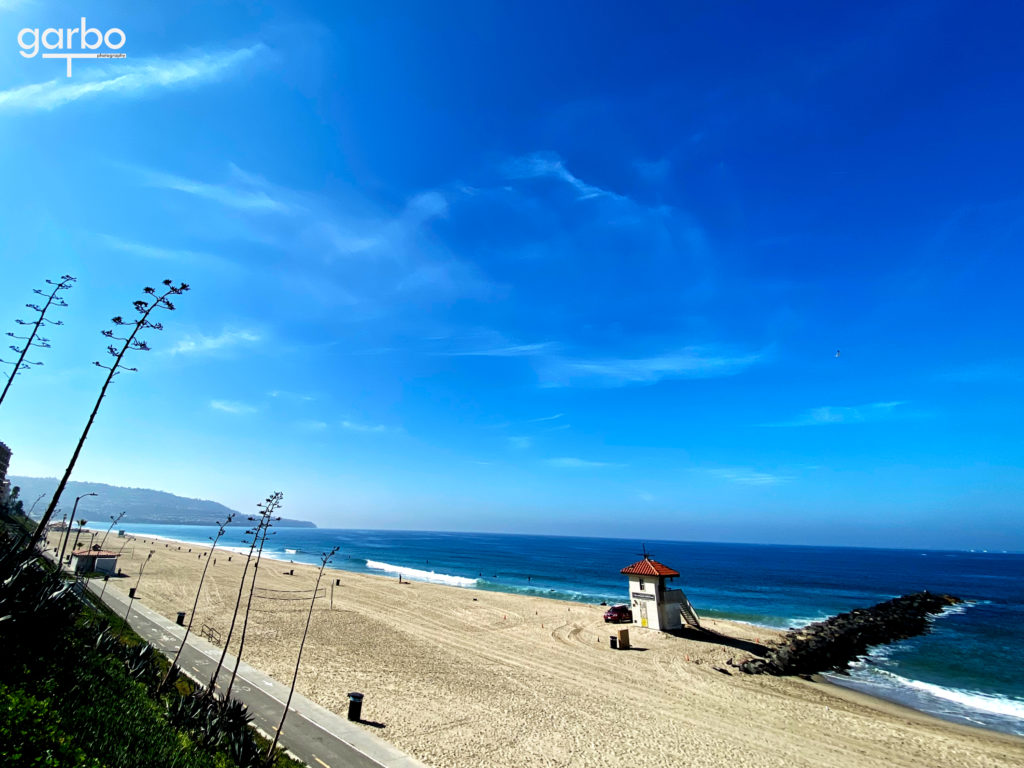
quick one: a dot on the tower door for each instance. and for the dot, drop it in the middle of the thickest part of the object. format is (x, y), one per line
(643, 613)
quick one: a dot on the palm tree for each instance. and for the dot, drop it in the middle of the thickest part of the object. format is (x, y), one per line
(81, 525)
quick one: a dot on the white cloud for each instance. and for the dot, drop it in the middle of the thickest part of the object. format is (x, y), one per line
(126, 78)
(152, 251)
(356, 427)
(844, 414)
(688, 363)
(313, 426)
(245, 191)
(571, 462)
(511, 350)
(548, 418)
(199, 343)
(520, 442)
(550, 165)
(745, 476)
(231, 406)
(291, 395)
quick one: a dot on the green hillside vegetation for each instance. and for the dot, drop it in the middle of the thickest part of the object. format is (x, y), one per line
(79, 688)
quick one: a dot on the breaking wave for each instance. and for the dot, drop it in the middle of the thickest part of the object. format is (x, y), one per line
(414, 574)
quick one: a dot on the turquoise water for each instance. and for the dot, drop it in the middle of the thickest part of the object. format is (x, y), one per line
(967, 669)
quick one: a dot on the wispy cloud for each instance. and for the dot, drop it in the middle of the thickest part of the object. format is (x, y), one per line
(550, 165)
(243, 191)
(232, 406)
(346, 248)
(547, 418)
(357, 427)
(687, 363)
(844, 414)
(520, 442)
(511, 350)
(312, 425)
(285, 395)
(746, 476)
(127, 78)
(199, 343)
(152, 251)
(571, 462)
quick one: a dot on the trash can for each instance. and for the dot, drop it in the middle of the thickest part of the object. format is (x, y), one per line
(131, 593)
(623, 639)
(355, 706)
(181, 618)
(613, 642)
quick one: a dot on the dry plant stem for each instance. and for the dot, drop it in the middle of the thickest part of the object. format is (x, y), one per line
(324, 559)
(131, 342)
(195, 603)
(52, 299)
(266, 521)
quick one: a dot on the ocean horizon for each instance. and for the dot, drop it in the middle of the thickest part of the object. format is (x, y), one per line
(964, 670)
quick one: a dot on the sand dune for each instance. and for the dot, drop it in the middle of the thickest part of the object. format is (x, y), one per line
(463, 678)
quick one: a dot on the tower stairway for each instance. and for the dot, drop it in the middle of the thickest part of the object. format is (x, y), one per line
(689, 614)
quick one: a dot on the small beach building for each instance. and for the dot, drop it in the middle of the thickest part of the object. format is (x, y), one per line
(94, 560)
(654, 605)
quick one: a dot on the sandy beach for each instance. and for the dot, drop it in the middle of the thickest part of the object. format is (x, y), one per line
(464, 678)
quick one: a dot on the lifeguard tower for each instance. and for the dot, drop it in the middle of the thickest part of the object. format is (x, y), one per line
(654, 606)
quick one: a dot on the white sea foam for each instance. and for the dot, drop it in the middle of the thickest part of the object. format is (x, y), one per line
(414, 574)
(976, 700)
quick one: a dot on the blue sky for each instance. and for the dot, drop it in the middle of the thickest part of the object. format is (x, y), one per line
(572, 268)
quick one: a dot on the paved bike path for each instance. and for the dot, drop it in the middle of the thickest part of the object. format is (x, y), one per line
(313, 734)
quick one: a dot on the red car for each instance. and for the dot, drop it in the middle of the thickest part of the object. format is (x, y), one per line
(618, 613)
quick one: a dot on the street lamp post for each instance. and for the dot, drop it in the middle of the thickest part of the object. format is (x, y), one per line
(60, 560)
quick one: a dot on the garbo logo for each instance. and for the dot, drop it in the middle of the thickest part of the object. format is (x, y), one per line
(89, 39)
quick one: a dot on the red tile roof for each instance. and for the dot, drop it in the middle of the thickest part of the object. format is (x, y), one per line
(648, 567)
(93, 552)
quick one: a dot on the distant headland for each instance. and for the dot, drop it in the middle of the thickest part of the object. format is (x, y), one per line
(141, 505)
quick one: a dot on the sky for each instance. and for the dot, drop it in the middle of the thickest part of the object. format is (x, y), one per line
(689, 270)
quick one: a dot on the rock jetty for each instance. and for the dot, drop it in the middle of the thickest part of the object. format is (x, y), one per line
(832, 644)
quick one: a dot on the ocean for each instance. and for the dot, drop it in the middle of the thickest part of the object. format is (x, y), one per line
(967, 670)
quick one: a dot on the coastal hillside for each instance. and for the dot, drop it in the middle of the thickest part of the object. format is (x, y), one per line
(141, 505)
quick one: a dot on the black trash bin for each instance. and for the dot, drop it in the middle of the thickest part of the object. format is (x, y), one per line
(131, 593)
(181, 618)
(355, 706)
(613, 642)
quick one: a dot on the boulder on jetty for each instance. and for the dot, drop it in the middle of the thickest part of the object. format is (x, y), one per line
(832, 644)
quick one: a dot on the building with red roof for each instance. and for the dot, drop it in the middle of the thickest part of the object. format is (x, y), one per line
(94, 560)
(654, 605)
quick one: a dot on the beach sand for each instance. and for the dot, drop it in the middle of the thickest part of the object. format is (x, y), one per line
(464, 678)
